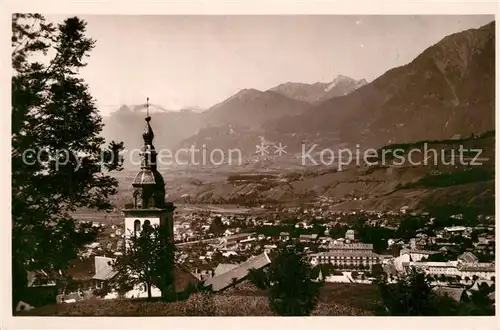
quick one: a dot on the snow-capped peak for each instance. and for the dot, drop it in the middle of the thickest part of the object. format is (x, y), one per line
(344, 79)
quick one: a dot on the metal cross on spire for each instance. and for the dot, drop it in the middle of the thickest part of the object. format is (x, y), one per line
(147, 106)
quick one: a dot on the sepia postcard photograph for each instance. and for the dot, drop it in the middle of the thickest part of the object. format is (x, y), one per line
(252, 165)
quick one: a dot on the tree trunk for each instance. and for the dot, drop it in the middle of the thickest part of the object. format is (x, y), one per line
(149, 290)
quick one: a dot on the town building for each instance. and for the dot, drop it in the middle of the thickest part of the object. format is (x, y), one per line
(284, 236)
(233, 275)
(350, 234)
(417, 254)
(466, 266)
(234, 240)
(103, 271)
(457, 294)
(352, 256)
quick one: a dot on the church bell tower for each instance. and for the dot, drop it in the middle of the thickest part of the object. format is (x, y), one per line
(149, 205)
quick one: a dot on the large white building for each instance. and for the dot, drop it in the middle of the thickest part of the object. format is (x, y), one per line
(347, 256)
(466, 266)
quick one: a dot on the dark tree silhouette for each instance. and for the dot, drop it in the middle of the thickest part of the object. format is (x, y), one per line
(217, 227)
(259, 278)
(412, 295)
(292, 289)
(148, 260)
(56, 148)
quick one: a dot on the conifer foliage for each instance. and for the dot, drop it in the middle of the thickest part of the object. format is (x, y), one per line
(293, 291)
(59, 161)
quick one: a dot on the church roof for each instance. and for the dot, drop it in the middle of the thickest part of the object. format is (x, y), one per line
(148, 177)
(148, 134)
(148, 182)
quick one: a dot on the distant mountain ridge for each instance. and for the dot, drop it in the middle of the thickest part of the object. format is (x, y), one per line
(319, 91)
(170, 128)
(139, 108)
(252, 108)
(448, 89)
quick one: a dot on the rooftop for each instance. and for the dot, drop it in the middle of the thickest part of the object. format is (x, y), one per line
(346, 253)
(223, 268)
(479, 267)
(104, 268)
(224, 280)
(415, 251)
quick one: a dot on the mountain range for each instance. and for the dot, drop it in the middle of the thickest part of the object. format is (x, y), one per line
(446, 91)
(242, 113)
(319, 92)
(252, 108)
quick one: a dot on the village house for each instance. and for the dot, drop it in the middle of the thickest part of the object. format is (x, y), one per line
(303, 225)
(392, 241)
(308, 238)
(457, 294)
(269, 247)
(417, 254)
(40, 290)
(417, 243)
(103, 271)
(203, 272)
(229, 253)
(223, 268)
(284, 236)
(228, 232)
(324, 240)
(350, 234)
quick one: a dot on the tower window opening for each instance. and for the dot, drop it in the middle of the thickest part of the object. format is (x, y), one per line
(137, 226)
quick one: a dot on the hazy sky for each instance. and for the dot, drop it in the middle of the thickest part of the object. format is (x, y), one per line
(182, 61)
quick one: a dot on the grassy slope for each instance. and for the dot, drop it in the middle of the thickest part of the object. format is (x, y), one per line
(337, 299)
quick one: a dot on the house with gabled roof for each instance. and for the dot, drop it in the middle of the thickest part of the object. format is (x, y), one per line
(103, 271)
(457, 294)
(237, 274)
(306, 238)
(284, 236)
(223, 268)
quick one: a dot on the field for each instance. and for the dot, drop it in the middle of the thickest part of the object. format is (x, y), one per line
(381, 187)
